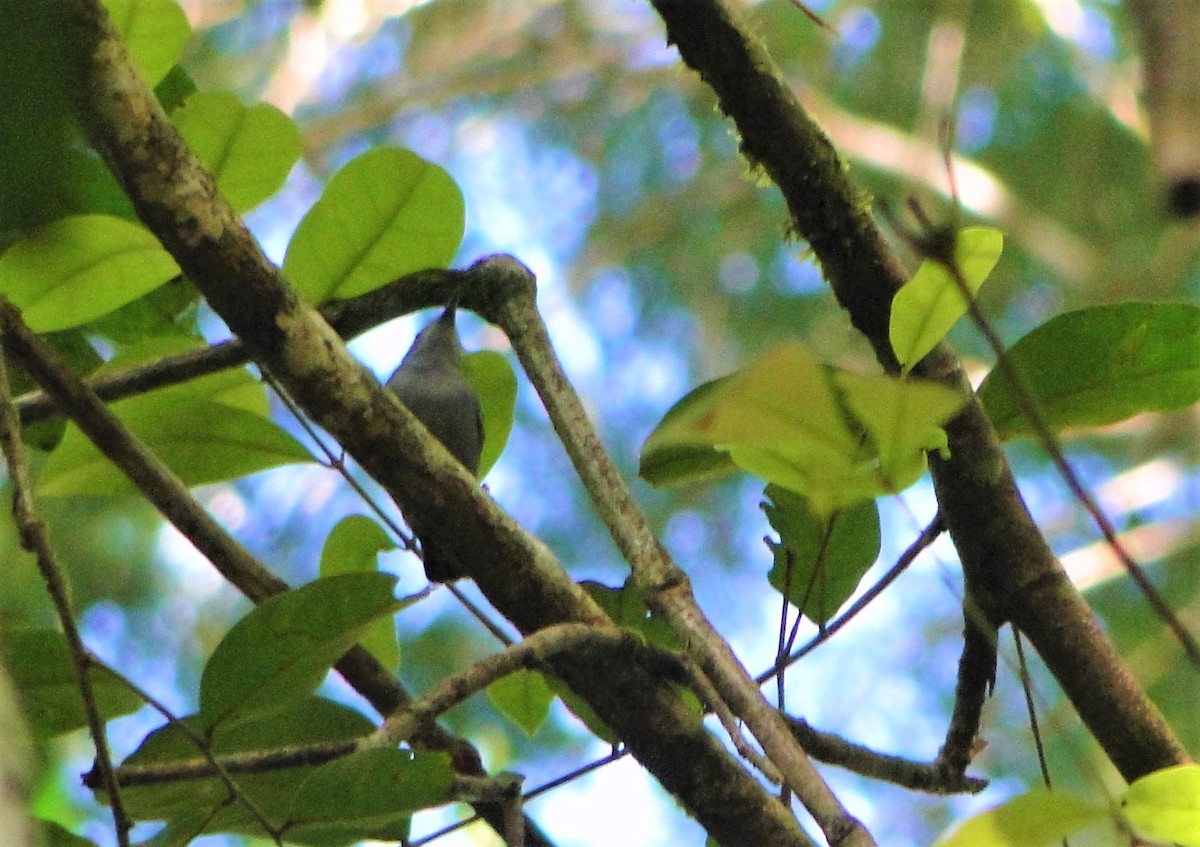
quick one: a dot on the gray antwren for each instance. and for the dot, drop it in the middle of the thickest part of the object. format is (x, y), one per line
(431, 383)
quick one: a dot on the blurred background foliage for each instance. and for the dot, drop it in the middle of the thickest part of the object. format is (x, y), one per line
(585, 149)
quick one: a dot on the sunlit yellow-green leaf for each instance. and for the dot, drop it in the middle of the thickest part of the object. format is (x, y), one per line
(1165, 806)
(835, 437)
(249, 149)
(1041, 817)
(925, 308)
(155, 33)
(904, 420)
(385, 214)
(76, 269)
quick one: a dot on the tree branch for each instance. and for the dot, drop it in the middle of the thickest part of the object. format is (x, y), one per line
(177, 199)
(170, 496)
(664, 586)
(1010, 572)
(348, 318)
(32, 533)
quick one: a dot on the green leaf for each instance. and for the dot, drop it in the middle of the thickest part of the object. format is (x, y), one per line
(492, 378)
(670, 458)
(155, 33)
(903, 419)
(37, 127)
(202, 441)
(40, 666)
(174, 88)
(312, 720)
(582, 710)
(170, 310)
(250, 149)
(627, 609)
(353, 546)
(385, 214)
(523, 697)
(76, 269)
(819, 561)
(1100, 365)
(1041, 817)
(360, 795)
(925, 308)
(283, 649)
(1165, 806)
(836, 437)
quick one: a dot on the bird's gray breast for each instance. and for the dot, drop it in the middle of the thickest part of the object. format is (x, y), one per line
(448, 408)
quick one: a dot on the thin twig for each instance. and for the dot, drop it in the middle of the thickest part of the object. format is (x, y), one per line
(1049, 442)
(664, 586)
(926, 538)
(202, 744)
(401, 296)
(163, 489)
(1031, 708)
(919, 776)
(32, 532)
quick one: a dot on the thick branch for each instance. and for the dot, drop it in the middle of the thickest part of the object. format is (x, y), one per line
(159, 485)
(177, 199)
(666, 588)
(34, 538)
(1010, 572)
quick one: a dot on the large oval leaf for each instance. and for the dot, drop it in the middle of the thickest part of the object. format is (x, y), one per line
(76, 269)
(279, 653)
(1100, 365)
(311, 720)
(385, 214)
(353, 546)
(249, 149)
(202, 441)
(925, 308)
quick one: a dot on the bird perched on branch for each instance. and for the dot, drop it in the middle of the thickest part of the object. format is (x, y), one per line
(431, 383)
